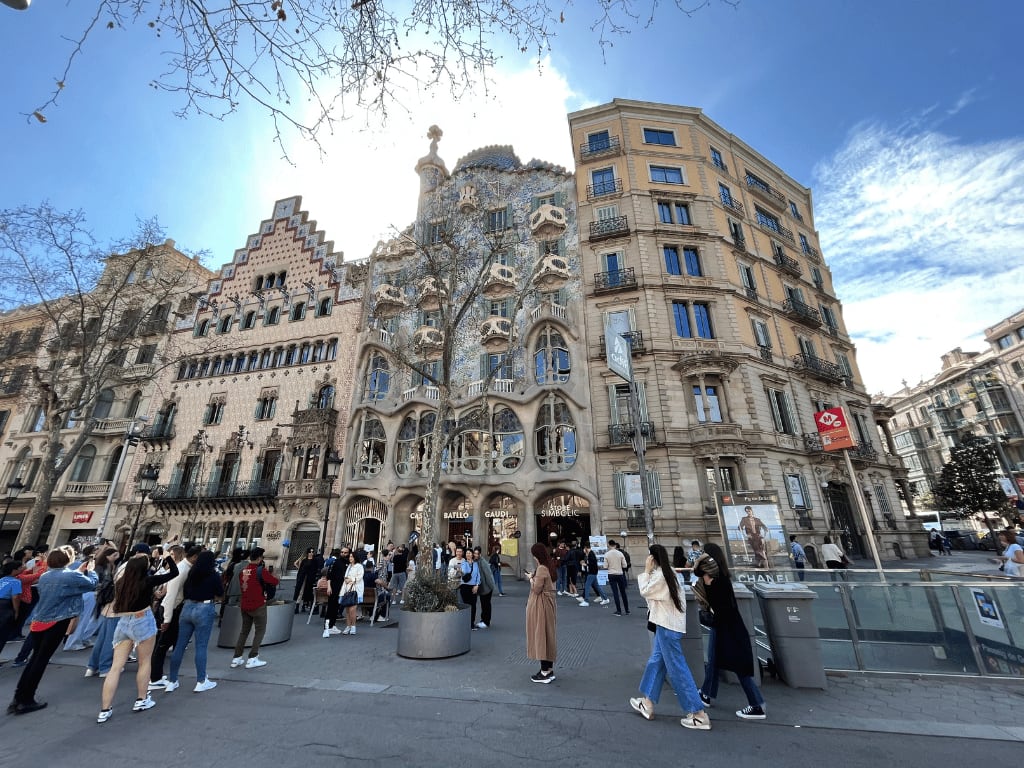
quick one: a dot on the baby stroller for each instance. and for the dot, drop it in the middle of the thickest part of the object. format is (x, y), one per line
(321, 593)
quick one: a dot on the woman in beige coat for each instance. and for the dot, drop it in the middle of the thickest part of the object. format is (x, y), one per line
(541, 640)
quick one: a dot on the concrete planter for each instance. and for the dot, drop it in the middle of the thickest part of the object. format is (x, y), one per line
(434, 635)
(279, 625)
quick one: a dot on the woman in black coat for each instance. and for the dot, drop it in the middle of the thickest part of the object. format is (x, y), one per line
(309, 565)
(729, 644)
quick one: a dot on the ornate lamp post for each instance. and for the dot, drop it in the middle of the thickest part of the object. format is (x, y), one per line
(14, 489)
(147, 482)
(333, 464)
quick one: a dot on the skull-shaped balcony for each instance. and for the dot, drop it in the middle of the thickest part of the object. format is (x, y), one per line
(552, 273)
(388, 301)
(495, 334)
(467, 199)
(431, 294)
(547, 222)
(429, 342)
(387, 252)
(500, 282)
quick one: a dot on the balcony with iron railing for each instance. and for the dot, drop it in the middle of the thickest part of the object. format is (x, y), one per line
(750, 293)
(603, 147)
(796, 215)
(719, 163)
(158, 433)
(787, 263)
(623, 434)
(811, 252)
(615, 280)
(733, 205)
(817, 367)
(635, 339)
(603, 188)
(861, 451)
(766, 354)
(801, 312)
(235, 489)
(617, 226)
(772, 226)
(152, 327)
(765, 191)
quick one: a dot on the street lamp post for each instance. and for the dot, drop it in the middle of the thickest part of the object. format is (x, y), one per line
(147, 482)
(14, 489)
(131, 439)
(333, 464)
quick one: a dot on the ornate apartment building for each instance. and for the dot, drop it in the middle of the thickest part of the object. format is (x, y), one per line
(704, 255)
(973, 392)
(517, 456)
(242, 430)
(114, 338)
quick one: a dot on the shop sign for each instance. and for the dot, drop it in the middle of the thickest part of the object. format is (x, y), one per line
(500, 513)
(561, 510)
(81, 517)
(458, 514)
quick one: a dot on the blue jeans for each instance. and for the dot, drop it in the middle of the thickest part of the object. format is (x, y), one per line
(563, 578)
(710, 686)
(667, 659)
(196, 618)
(617, 582)
(102, 657)
(592, 581)
(496, 573)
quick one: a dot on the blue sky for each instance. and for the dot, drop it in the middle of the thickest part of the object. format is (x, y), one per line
(905, 118)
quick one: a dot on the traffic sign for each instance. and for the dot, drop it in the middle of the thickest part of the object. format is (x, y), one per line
(834, 429)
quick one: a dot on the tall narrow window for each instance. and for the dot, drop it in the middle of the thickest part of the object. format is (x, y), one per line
(551, 357)
(555, 435)
(782, 411)
(708, 408)
(378, 378)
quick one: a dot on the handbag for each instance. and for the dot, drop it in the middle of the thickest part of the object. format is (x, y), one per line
(348, 599)
(706, 618)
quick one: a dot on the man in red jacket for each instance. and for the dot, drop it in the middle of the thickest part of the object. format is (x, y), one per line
(253, 582)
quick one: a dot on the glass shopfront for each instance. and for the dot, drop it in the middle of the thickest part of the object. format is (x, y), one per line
(562, 516)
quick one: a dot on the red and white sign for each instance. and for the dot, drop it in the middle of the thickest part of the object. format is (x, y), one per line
(81, 517)
(834, 429)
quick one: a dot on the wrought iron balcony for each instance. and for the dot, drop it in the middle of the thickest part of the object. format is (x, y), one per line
(719, 163)
(823, 369)
(599, 147)
(864, 452)
(766, 354)
(615, 280)
(153, 327)
(811, 252)
(800, 311)
(635, 339)
(733, 205)
(751, 293)
(622, 434)
(605, 228)
(244, 489)
(787, 264)
(158, 433)
(602, 188)
(796, 215)
(770, 225)
(765, 191)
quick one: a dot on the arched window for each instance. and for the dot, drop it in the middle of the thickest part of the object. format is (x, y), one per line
(83, 464)
(225, 324)
(371, 447)
(405, 453)
(304, 353)
(273, 316)
(318, 351)
(378, 378)
(104, 401)
(132, 408)
(292, 355)
(325, 397)
(240, 362)
(254, 361)
(279, 357)
(509, 440)
(218, 364)
(555, 435)
(299, 311)
(551, 357)
(279, 283)
(332, 349)
(323, 307)
(426, 427)
(472, 446)
(112, 462)
(265, 357)
(203, 327)
(249, 321)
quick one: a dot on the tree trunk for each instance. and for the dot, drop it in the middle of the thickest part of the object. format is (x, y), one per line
(430, 523)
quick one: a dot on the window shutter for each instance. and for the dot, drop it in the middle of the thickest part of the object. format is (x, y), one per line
(175, 480)
(256, 411)
(508, 216)
(613, 405)
(560, 248)
(620, 490)
(807, 497)
(641, 396)
(534, 204)
(654, 488)
(560, 199)
(632, 319)
(257, 469)
(485, 365)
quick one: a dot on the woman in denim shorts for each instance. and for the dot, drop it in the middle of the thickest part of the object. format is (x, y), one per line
(133, 601)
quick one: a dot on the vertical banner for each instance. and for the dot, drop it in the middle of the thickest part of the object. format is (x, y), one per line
(600, 546)
(754, 534)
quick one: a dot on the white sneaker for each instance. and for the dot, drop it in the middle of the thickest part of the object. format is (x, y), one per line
(334, 630)
(481, 625)
(172, 686)
(584, 604)
(238, 661)
(605, 601)
(158, 685)
(104, 715)
(141, 705)
(352, 631)
(204, 685)
(560, 593)
(326, 634)
(90, 672)
(255, 662)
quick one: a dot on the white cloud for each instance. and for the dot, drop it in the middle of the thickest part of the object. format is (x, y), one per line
(923, 233)
(366, 184)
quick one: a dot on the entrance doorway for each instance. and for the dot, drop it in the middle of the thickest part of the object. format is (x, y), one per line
(844, 521)
(563, 517)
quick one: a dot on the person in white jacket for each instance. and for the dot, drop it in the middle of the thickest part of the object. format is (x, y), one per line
(659, 586)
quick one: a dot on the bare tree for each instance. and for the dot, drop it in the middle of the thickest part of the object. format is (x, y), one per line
(309, 62)
(96, 319)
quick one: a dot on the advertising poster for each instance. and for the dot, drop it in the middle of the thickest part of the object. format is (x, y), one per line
(755, 537)
(600, 545)
(988, 613)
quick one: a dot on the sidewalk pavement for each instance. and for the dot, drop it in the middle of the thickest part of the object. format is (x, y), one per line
(600, 661)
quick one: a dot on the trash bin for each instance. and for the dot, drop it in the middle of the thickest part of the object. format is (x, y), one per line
(280, 615)
(793, 633)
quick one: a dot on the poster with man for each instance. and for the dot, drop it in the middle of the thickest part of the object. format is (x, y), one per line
(754, 533)
(600, 545)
